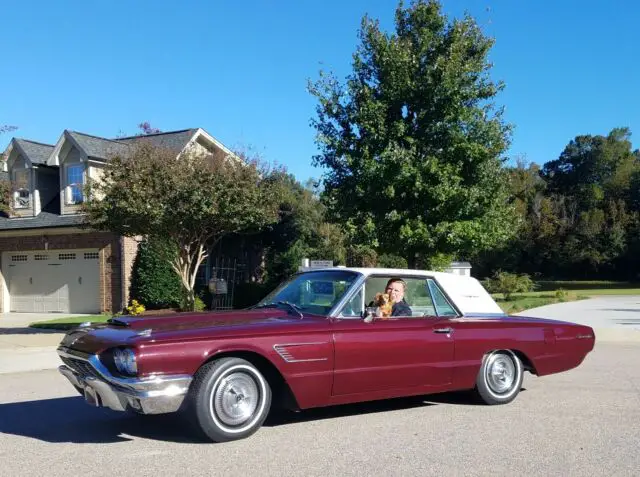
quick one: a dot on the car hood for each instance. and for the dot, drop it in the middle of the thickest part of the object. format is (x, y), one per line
(131, 330)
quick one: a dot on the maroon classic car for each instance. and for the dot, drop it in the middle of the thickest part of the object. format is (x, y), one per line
(320, 339)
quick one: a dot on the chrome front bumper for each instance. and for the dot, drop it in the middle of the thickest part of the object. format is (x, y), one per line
(149, 395)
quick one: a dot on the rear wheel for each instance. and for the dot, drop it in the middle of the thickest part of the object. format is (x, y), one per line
(500, 377)
(229, 399)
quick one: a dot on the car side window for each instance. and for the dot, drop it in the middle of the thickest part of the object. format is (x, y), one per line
(442, 305)
(354, 307)
(416, 294)
(418, 297)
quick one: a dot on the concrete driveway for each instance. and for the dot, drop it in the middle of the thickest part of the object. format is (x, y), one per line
(614, 318)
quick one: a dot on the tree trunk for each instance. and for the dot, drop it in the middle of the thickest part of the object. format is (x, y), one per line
(190, 257)
(411, 260)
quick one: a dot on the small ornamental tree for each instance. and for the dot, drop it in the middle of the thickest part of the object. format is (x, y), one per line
(192, 200)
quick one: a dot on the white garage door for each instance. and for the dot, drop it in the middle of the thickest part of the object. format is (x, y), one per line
(63, 281)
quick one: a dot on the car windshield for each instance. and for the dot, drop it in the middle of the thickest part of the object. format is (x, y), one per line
(313, 292)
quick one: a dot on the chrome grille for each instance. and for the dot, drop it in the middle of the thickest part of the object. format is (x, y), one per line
(80, 366)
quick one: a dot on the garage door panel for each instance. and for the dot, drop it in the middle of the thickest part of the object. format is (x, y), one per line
(54, 281)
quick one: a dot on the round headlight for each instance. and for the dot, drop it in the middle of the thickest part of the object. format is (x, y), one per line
(125, 360)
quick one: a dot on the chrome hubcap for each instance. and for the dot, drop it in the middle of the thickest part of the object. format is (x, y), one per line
(500, 373)
(236, 398)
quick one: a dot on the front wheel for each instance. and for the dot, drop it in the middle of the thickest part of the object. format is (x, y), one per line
(500, 377)
(229, 399)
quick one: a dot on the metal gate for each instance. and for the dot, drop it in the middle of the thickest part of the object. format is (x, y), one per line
(224, 274)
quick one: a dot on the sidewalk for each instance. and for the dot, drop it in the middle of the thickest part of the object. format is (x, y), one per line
(27, 349)
(29, 352)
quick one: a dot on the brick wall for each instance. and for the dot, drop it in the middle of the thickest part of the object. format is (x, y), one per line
(111, 263)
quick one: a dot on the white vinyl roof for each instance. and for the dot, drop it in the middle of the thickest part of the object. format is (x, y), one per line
(466, 292)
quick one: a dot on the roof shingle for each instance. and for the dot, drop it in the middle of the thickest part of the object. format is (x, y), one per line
(172, 140)
(36, 152)
(98, 147)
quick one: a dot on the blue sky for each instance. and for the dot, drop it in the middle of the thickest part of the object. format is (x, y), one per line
(240, 69)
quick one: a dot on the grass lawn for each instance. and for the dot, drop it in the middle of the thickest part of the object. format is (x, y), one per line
(69, 322)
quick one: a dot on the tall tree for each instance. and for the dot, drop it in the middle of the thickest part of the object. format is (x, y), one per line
(193, 202)
(413, 142)
(592, 167)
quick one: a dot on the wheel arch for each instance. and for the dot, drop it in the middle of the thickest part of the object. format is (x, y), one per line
(283, 395)
(527, 363)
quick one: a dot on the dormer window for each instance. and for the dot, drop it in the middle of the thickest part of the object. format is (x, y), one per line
(75, 182)
(21, 189)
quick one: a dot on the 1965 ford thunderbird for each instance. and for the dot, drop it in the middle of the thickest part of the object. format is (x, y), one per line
(318, 340)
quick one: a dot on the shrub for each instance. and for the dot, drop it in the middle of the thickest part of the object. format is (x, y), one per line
(199, 304)
(508, 284)
(153, 282)
(135, 308)
(387, 260)
(361, 256)
(562, 294)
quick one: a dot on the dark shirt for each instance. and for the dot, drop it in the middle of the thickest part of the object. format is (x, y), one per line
(401, 309)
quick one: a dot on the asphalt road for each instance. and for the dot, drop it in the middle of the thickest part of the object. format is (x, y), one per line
(582, 422)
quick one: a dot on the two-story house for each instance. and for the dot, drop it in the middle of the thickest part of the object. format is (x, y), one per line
(48, 262)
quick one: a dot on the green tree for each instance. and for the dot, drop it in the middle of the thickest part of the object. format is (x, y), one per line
(192, 201)
(413, 142)
(301, 231)
(593, 168)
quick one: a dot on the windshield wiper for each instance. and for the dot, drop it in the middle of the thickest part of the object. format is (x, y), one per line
(291, 306)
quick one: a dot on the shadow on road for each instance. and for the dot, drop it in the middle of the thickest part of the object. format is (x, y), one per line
(457, 398)
(71, 420)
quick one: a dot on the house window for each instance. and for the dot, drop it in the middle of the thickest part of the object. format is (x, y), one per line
(75, 181)
(22, 192)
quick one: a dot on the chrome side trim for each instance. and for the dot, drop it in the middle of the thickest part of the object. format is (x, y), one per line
(284, 353)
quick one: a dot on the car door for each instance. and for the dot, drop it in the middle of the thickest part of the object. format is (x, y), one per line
(395, 353)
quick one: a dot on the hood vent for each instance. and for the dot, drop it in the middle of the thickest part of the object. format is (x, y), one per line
(117, 322)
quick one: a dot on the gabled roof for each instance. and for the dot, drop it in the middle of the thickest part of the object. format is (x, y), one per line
(97, 147)
(36, 152)
(173, 140)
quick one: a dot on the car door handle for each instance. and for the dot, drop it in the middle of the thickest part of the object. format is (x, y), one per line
(443, 330)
